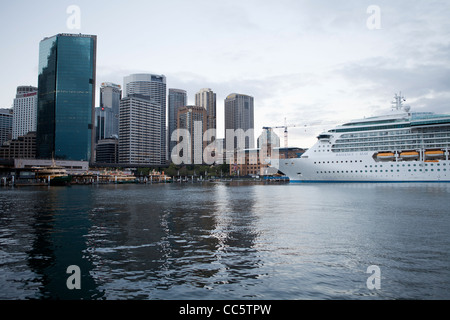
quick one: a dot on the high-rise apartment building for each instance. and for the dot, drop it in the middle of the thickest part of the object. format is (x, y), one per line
(177, 100)
(140, 131)
(25, 108)
(66, 97)
(151, 87)
(194, 120)
(239, 116)
(6, 120)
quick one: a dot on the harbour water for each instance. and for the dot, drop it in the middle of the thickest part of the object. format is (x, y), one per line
(226, 241)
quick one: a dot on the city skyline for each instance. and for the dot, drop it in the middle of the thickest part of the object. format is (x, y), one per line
(306, 62)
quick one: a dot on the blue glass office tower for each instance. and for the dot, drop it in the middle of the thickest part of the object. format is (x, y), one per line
(66, 97)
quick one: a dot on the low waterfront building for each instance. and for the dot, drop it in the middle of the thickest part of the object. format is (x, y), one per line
(72, 167)
(250, 162)
(289, 153)
(22, 147)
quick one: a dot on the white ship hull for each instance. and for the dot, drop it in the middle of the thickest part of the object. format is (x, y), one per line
(361, 167)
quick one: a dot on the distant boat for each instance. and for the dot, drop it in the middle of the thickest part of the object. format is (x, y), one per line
(122, 179)
(57, 175)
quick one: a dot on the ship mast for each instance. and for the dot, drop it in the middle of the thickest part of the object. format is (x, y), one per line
(397, 104)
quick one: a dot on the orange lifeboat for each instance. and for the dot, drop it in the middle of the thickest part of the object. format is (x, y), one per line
(409, 155)
(434, 154)
(386, 156)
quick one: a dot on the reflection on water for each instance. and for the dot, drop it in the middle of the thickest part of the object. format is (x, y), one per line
(181, 237)
(222, 241)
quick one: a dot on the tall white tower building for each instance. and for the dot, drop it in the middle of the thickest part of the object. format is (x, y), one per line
(25, 111)
(150, 87)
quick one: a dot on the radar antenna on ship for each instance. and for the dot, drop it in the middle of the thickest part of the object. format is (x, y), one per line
(397, 104)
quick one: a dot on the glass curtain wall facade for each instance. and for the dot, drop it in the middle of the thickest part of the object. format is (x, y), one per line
(66, 97)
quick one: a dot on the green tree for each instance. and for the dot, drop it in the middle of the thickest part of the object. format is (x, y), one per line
(172, 170)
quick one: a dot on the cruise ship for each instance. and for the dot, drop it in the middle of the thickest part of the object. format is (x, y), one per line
(401, 146)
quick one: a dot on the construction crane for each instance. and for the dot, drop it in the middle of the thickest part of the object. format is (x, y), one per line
(285, 127)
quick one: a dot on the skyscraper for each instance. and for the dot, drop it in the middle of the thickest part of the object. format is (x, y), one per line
(107, 115)
(177, 100)
(139, 131)
(6, 120)
(206, 98)
(194, 120)
(239, 115)
(104, 118)
(25, 107)
(66, 97)
(151, 87)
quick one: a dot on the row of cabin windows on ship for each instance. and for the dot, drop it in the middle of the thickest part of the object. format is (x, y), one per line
(381, 171)
(346, 161)
(381, 166)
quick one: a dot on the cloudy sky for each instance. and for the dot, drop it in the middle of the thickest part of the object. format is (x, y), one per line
(315, 63)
